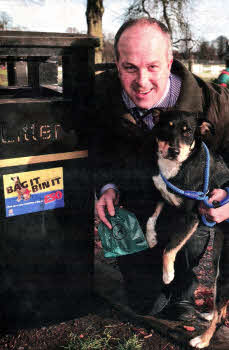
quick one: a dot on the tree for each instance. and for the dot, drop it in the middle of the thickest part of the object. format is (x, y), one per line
(5, 20)
(94, 16)
(206, 51)
(170, 12)
(72, 30)
(108, 49)
(222, 46)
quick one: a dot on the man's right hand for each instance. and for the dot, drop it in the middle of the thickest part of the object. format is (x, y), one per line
(108, 200)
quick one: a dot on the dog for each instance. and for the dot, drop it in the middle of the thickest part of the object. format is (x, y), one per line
(23, 193)
(180, 160)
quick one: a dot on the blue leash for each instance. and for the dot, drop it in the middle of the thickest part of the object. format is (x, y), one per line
(200, 195)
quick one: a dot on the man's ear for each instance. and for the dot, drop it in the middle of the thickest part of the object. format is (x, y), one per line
(205, 126)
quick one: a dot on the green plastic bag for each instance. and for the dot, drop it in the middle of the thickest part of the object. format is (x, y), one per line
(126, 236)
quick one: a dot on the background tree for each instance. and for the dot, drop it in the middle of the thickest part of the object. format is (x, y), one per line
(5, 20)
(171, 12)
(94, 16)
(72, 30)
(108, 49)
(222, 46)
(206, 51)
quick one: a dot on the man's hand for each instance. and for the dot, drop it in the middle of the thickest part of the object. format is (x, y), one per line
(215, 214)
(107, 201)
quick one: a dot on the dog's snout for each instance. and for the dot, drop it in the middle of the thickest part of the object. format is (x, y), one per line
(173, 152)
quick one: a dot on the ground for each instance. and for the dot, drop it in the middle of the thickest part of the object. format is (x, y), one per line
(103, 327)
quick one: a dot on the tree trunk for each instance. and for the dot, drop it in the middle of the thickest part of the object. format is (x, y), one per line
(94, 16)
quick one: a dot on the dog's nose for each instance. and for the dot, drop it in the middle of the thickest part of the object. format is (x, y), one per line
(173, 152)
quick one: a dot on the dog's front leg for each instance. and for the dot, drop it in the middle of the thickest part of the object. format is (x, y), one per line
(151, 234)
(177, 241)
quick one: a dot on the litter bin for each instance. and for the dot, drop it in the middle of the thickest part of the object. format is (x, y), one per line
(46, 209)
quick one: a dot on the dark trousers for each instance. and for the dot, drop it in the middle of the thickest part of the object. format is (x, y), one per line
(142, 274)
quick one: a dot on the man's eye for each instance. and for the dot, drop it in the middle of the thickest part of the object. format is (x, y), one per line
(130, 69)
(153, 68)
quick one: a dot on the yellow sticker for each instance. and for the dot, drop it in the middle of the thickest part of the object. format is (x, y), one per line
(33, 191)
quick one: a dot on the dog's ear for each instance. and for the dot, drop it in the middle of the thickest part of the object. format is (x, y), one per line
(205, 126)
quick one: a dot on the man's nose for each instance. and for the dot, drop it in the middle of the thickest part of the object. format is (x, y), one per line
(143, 78)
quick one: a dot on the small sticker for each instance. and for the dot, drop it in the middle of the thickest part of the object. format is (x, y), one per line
(33, 191)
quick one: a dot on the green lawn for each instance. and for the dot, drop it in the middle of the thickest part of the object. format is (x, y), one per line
(3, 77)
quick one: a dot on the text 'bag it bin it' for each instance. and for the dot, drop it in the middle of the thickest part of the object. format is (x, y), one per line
(126, 236)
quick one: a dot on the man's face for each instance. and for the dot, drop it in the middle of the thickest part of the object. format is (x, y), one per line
(144, 65)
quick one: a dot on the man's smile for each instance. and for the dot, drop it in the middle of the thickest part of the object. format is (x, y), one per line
(143, 92)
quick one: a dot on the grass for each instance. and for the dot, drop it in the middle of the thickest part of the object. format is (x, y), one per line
(132, 343)
(3, 77)
(105, 341)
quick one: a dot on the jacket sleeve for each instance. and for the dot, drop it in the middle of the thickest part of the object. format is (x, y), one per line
(218, 114)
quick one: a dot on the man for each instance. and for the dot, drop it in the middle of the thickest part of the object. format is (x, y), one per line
(127, 103)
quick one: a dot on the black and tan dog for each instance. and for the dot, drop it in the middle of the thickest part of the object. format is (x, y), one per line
(182, 162)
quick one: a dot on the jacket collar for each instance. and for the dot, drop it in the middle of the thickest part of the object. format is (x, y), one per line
(190, 98)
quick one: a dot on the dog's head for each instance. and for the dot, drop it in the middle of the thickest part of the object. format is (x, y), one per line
(15, 179)
(177, 134)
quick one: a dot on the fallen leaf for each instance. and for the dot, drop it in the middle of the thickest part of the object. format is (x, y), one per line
(148, 336)
(143, 333)
(189, 328)
(81, 336)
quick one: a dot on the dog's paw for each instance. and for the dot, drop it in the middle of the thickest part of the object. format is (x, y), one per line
(151, 242)
(151, 234)
(168, 276)
(199, 342)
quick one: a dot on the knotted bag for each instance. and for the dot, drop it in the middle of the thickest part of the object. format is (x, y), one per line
(126, 236)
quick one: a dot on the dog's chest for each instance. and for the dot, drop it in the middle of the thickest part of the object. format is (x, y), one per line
(169, 169)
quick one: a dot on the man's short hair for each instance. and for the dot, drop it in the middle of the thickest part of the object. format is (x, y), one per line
(142, 20)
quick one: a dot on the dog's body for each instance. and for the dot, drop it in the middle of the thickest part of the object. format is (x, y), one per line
(181, 158)
(23, 193)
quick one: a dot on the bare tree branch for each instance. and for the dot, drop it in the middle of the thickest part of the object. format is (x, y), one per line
(144, 9)
(171, 12)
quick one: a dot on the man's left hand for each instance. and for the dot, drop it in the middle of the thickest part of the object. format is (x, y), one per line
(215, 214)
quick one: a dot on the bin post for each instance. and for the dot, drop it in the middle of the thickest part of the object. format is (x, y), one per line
(33, 72)
(11, 71)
